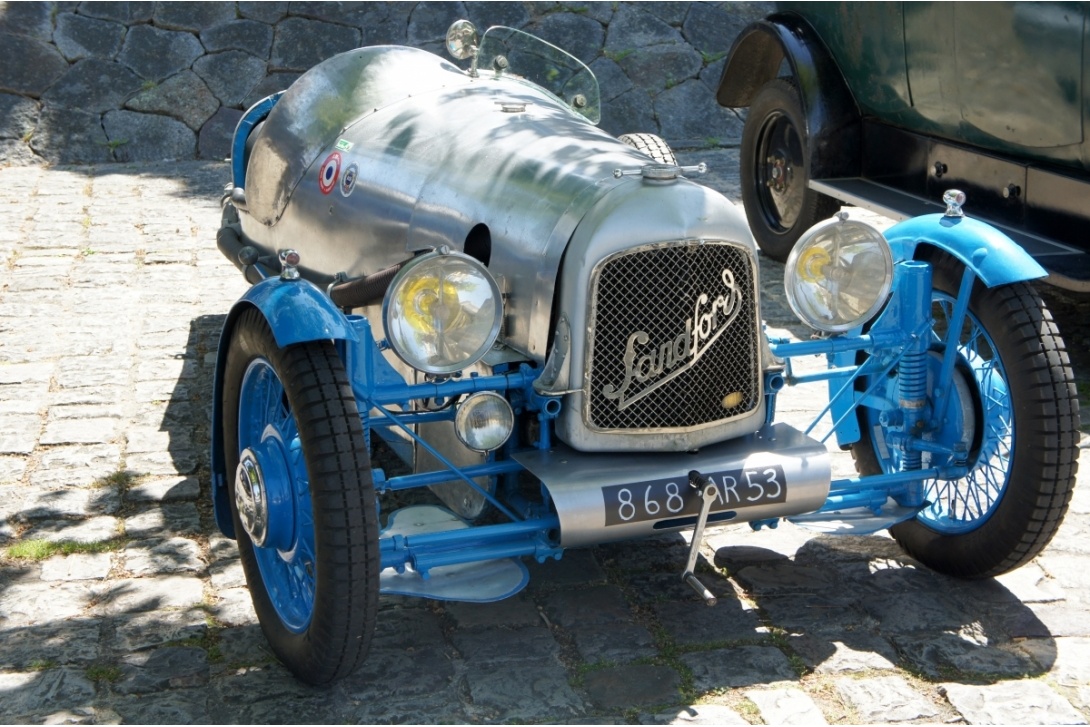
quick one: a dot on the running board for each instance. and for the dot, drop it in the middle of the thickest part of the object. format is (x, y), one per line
(1068, 267)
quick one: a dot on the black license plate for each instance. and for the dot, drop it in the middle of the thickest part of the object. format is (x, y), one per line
(673, 498)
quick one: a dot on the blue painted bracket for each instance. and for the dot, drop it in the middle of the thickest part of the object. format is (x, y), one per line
(468, 545)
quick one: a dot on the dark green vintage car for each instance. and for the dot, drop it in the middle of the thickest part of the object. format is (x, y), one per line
(886, 105)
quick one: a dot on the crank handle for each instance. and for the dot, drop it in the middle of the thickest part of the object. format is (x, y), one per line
(708, 494)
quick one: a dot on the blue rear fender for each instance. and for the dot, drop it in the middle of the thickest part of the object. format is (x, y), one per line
(995, 258)
(296, 312)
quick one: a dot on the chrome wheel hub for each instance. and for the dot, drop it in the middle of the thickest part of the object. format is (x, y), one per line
(250, 497)
(263, 493)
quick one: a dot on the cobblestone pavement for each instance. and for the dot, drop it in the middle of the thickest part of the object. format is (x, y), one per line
(111, 302)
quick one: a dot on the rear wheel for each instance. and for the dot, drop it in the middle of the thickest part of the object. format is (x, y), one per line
(651, 145)
(302, 500)
(775, 174)
(1013, 404)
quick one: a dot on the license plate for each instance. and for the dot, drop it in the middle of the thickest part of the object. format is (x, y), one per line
(673, 498)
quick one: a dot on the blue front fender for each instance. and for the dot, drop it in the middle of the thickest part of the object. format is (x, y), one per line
(297, 312)
(995, 258)
(992, 256)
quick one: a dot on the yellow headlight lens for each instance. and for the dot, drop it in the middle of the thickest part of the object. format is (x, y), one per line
(442, 312)
(432, 304)
(838, 275)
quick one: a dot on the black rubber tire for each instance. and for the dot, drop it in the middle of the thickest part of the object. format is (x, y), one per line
(651, 145)
(776, 128)
(346, 549)
(1044, 461)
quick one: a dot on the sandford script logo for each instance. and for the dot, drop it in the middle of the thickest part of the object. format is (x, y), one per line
(658, 364)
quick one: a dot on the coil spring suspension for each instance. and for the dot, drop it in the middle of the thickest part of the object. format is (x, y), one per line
(915, 293)
(912, 395)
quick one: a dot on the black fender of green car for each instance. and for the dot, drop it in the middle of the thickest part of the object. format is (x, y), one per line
(832, 116)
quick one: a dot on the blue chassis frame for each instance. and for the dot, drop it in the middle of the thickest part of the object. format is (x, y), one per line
(899, 337)
(901, 333)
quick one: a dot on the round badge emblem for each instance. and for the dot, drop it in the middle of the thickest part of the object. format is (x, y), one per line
(348, 181)
(331, 169)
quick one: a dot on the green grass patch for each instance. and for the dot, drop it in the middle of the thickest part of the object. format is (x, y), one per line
(41, 664)
(121, 478)
(562, 8)
(618, 55)
(747, 709)
(38, 549)
(103, 673)
(710, 58)
(209, 641)
(780, 641)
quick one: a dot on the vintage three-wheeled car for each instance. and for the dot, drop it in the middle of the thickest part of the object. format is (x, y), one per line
(557, 335)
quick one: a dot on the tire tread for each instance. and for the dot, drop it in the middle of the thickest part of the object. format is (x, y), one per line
(651, 145)
(331, 432)
(1042, 477)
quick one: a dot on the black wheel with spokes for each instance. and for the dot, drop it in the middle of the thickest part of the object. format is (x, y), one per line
(780, 205)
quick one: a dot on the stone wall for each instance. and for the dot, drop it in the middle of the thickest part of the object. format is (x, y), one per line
(91, 82)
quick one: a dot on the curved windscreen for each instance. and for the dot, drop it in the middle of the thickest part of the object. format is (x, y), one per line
(513, 53)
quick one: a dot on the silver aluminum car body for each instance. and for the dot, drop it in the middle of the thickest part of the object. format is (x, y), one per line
(457, 152)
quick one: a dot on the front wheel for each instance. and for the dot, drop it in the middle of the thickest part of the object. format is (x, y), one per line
(1013, 405)
(302, 500)
(775, 175)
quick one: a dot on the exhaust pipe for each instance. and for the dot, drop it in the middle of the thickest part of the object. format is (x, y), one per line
(243, 257)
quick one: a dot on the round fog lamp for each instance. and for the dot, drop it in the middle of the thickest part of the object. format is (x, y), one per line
(442, 312)
(484, 421)
(838, 275)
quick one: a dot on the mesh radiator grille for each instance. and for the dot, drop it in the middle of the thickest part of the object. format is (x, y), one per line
(659, 358)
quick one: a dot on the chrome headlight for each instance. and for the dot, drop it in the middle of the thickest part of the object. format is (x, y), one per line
(838, 275)
(484, 421)
(442, 312)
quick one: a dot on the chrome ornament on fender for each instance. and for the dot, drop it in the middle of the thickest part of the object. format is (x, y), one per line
(680, 354)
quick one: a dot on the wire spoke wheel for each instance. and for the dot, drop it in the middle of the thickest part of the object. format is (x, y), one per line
(962, 505)
(1012, 405)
